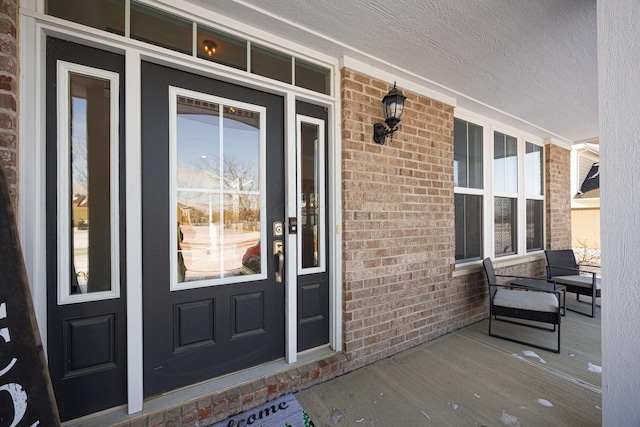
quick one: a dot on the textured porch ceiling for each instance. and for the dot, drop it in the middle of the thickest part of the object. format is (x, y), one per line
(531, 64)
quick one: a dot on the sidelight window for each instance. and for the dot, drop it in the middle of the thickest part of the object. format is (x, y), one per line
(311, 195)
(88, 267)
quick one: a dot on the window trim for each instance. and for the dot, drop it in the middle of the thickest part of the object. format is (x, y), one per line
(174, 94)
(489, 194)
(322, 233)
(473, 191)
(64, 71)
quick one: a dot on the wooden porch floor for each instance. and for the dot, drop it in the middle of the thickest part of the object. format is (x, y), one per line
(467, 378)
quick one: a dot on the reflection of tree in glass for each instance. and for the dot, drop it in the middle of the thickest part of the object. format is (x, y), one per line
(238, 179)
(79, 163)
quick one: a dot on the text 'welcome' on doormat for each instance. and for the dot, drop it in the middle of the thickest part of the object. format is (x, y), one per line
(283, 412)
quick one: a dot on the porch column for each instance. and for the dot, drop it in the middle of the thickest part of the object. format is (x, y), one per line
(558, 196)
(619, 94)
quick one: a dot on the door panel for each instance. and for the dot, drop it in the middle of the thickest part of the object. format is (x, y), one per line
(86, 305)
(313, 259)
(211, 306)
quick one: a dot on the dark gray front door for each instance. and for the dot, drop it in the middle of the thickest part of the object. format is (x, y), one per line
(86, 304)
(213, 195)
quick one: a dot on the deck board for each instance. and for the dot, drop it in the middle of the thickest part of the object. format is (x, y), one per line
(467, 378)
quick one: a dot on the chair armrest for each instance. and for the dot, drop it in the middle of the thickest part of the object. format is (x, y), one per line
(573, 270)
(589, 265)
(522, 277)
(530, 288)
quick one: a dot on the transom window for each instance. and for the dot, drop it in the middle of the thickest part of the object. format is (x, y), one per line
(155, 26)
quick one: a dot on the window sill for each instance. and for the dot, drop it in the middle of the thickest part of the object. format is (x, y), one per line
(507, 261)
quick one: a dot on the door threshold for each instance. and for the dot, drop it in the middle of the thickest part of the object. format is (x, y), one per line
(179, 397)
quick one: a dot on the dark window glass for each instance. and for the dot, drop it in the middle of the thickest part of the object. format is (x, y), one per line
(468, 211)
(534, 225)
(312, 77)
(107, 15)
(269, 63)
(222, 48)
(90, 130)
(505, 223)
(467, 154)
(162, 29)
(460, 156)
(310, 197)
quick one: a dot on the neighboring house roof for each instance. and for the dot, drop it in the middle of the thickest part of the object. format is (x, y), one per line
(591, 184)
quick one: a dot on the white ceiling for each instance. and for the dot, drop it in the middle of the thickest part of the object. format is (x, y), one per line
(531, 64)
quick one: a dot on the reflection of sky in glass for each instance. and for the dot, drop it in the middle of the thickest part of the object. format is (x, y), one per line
(505, 164)
(218, 166)
(79, 145)
(533, 162)
(198, 151)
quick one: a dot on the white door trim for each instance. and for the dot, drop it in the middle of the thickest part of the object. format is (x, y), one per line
(133, 160)
(34, 28)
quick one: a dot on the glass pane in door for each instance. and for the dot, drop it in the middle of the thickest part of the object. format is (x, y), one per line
(90, 177)
(219, 150)
(311, 193)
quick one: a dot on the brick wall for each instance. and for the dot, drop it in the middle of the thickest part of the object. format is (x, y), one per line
(558, 196)
(9, 93)
(399, 235)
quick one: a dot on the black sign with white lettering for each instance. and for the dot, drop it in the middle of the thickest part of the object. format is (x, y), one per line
(26, 395)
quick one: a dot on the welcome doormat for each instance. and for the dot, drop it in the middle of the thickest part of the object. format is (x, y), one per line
(283, 412)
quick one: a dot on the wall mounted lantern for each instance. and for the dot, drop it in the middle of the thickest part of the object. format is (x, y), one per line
(393, 106)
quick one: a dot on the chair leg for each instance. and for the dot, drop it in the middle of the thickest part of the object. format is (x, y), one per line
(491, 334)
(541, 347)
(490, 324)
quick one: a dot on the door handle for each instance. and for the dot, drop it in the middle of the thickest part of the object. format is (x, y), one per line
(278, 248)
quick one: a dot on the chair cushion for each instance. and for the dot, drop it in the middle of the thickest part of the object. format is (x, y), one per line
(526, 300)
(577, 280)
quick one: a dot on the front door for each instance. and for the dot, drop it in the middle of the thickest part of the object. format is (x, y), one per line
(212, 215)
(86, 304)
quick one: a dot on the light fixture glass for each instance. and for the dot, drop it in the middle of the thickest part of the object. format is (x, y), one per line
(210, 47)
(393, 107)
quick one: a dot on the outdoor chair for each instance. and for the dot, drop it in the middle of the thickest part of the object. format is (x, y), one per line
(562, 268)
(529, 303)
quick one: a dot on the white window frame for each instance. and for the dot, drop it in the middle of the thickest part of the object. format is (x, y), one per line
(532, 196)
(508, 194)
(476, 191)
(174, 93)
(64, 71)
(321, 267)
(489, 193)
